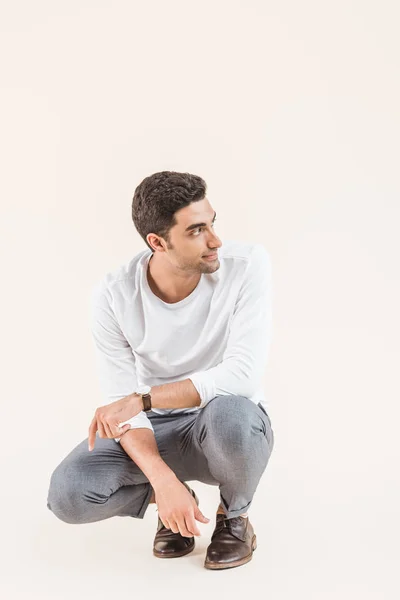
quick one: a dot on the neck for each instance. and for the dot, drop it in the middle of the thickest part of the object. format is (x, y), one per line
(168, 283)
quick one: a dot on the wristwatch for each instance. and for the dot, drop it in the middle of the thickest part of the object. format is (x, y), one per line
(144, 392)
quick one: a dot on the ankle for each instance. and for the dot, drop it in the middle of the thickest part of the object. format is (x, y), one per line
(220, 511)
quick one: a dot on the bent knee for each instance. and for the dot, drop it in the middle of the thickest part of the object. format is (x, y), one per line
(228, 413)
(234, 423)
(61, 497)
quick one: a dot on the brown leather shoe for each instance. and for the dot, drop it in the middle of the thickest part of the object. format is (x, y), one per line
(168, 544)
(232, 543)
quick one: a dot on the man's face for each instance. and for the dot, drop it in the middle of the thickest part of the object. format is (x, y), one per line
(193, 237)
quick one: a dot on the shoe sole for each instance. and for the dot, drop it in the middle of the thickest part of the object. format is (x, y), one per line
(236, 563)
(187, 550)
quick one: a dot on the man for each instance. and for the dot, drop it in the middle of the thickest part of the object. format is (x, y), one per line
(182, 335)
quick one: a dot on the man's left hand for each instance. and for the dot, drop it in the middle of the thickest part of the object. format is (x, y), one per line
(107, 419)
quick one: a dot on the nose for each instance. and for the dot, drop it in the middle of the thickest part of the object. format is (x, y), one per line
(216, 243)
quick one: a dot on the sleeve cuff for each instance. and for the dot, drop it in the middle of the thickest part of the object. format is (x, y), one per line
(205, 387)
(141, 420)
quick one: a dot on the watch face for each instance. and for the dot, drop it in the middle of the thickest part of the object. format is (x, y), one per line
(143, 389)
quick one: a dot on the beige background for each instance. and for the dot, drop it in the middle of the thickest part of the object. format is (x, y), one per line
(290, 111)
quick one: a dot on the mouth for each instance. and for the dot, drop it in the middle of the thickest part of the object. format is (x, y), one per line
(211, 256)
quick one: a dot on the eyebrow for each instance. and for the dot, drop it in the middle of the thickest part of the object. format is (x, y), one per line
(195, 225)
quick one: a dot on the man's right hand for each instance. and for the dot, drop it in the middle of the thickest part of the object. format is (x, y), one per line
(177, 508)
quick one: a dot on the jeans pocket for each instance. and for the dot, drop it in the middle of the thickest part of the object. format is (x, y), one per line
(264, 411)
(270, 437)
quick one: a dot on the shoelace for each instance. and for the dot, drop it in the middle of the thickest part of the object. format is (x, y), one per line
(225, 524)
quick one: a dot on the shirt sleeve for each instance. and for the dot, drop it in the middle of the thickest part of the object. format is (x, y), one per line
(245, 357)
(115, 360)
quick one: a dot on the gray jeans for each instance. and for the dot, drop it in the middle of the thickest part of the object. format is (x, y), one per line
(228, 443)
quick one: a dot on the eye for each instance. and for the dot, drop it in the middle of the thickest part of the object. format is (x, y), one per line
(199, 228)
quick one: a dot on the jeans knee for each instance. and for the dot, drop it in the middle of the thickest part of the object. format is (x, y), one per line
(230, 412)
(60, 496)
(233, 425)
(229, 423)
(59, 510)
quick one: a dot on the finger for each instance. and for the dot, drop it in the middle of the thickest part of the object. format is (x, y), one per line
(100, 428)
(200, 517)
(183, 528)
(125, 428)
(180, 522)
(107, 428)
(191, 525)
(173, 526)
(165, 522)
(92, 433)
(122, 431)
(119, 430)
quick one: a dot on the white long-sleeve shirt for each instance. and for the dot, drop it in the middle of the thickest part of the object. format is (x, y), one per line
(219, 336)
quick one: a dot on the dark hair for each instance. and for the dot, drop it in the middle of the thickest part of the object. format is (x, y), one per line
(159, 196)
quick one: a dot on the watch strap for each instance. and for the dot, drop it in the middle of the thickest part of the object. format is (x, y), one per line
(146, 398)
